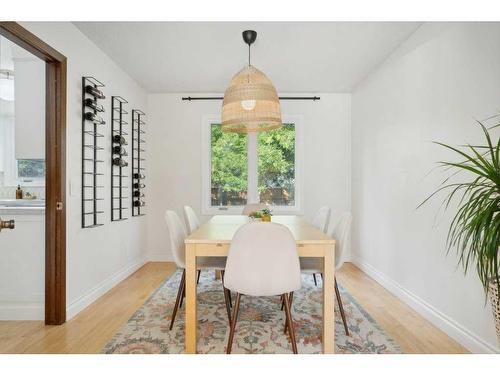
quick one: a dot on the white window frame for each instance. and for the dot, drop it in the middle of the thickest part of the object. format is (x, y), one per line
(29, 181)
(252, 192)
(11, 177)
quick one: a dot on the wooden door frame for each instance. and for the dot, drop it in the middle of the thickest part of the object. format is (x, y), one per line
(55, 159)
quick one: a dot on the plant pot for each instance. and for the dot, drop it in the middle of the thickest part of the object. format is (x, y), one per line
(494, 292)
(266, 218)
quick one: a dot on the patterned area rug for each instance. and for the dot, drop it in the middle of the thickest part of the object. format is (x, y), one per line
(259, 328)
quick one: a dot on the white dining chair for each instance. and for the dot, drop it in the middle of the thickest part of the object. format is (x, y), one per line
(177, 235)
(192, 224)
(192, 221)
(253, 207)
(322, 219)
(341, 234)
(250, 270)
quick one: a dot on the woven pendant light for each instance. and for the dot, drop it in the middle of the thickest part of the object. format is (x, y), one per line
(251, 103)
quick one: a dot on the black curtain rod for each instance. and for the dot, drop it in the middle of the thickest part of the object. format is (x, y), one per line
(190, 98)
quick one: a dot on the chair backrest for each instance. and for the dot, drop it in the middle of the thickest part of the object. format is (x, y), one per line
(341, 234)
(177, 234)
(322, 219)
(262, 260)
(252, 207)
(192, 222)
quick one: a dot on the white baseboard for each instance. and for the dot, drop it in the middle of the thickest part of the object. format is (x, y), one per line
(79, 304)
(453, 329)
(22, 311)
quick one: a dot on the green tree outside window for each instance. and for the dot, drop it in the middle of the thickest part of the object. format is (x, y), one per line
(276, 167)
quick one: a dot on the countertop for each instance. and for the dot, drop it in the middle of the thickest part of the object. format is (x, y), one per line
(22, 207)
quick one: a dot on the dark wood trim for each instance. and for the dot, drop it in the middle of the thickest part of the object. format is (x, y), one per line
(55, 159)
(30, 42)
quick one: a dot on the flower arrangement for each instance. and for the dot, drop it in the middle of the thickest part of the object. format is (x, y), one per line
(263, 215)
(255, 215)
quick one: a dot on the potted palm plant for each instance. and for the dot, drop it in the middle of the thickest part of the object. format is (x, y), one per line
(475, 229)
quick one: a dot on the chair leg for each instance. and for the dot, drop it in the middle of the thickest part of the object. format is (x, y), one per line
(198, 277)
(226, 301)
(233, 323)
(315, 282)
(180, 293)
(282, 302)
(289, 319)
(341, 308)
(183, 295)
(229, 292)
(290, 297)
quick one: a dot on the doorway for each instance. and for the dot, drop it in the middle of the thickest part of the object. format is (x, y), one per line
(29, 164)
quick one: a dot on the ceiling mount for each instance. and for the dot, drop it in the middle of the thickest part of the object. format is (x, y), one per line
(249, 36)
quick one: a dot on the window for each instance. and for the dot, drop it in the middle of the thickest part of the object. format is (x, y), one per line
(228, 168)
(31, 170)
(276, 158)
(241, 168)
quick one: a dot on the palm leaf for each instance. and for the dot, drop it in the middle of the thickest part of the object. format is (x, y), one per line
(474, 231)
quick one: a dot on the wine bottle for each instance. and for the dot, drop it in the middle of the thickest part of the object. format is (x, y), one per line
(120, 162)
(94, 105)
(139, 176)
(139, 186)
(138, 194)
(139, 203)
(94, 91)
(119, 139)
(94, 118)
(119, 150)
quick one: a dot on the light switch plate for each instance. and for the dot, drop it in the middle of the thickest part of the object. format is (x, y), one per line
(71, 187)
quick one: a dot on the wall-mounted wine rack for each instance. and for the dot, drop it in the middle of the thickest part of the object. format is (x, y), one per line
(118, 161)
(92, 123)
(138, 169)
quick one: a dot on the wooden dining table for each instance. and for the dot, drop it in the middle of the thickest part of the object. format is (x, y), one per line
(213, 239)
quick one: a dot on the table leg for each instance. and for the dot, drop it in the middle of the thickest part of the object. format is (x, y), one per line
(328, 300)
(191, 320)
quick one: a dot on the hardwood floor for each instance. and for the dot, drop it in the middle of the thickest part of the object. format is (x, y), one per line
(90, 330)
(411, 331)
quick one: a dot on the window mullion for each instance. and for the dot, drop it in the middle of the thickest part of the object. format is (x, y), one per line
(253, 165)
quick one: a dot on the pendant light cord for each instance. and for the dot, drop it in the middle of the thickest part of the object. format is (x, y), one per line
(248, 75)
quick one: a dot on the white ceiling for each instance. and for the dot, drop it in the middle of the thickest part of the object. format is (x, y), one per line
(203, 56)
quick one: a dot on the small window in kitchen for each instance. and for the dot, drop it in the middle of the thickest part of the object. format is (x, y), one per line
(31, 171)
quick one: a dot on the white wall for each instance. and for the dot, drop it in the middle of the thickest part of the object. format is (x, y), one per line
(431, 88)
(175, 151)
(97, 258)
